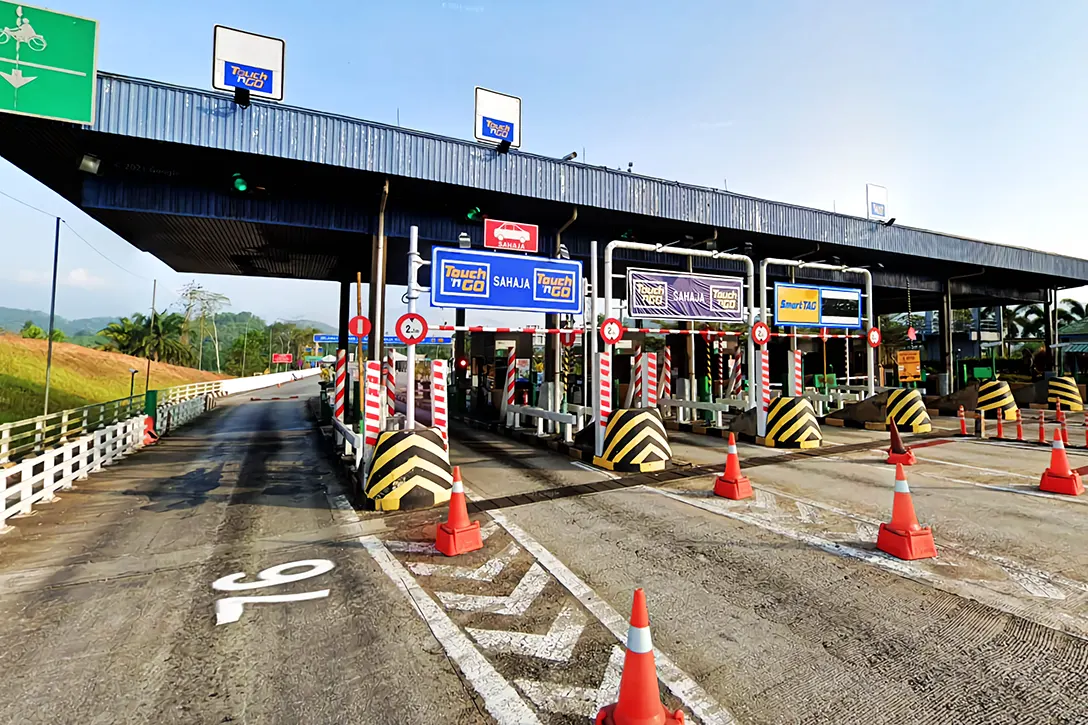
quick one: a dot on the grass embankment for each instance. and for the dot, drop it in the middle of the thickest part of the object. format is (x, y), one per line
(81, 376)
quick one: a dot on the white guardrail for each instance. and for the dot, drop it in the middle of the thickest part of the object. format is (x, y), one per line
(568, 420)
(42, 455)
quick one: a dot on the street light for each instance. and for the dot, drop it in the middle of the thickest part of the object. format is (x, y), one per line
(132, 381)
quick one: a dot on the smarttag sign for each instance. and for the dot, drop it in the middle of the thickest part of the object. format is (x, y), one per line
(487, 280)
(676, 296)
(798, 305)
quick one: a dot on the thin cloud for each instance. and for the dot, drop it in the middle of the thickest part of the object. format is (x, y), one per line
(79, 278)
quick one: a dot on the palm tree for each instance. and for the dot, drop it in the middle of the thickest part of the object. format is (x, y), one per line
(1029, 320)
(1070, 311)
(162, 340)
(125, 336)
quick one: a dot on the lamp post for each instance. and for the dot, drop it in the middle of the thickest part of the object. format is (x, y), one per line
(131, 386)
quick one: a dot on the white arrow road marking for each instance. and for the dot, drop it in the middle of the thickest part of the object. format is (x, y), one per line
(427, 547)
(1035, 586)
(557, 645)
(16, 78)
(515, 604)
(584, 701)
(483, 573)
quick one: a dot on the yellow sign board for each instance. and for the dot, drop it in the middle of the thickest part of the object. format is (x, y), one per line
(797, 306)
(910, 365)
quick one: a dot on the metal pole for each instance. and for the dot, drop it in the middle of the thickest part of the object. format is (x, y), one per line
(691, 350)
(52, 316)
(245, 338)
(377, 290)
(413, 295)
(154, 290)
(588, 361)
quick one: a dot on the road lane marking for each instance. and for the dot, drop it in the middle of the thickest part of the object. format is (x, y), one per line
(701, 704)
(500, 699)
(1036, 580)
(483, 573)
(993, 471)
(513, 604)
(591, 469)
(584, 701)
(557, 645)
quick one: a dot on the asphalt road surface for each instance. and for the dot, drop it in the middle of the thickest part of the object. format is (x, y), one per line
(775, 610)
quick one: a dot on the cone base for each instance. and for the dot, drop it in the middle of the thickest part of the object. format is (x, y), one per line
(907, 458)
(907, 545)
(605, 717)
(738, 489)
(452, 542)
(1066, 485)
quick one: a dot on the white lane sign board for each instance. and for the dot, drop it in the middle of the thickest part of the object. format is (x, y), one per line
(498, 118)
(247, 60)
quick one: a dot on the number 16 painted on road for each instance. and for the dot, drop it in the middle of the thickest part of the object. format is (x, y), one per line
(229, 609)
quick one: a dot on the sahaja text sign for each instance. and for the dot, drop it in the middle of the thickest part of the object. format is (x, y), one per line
(486, 280)
(798, 305)
(674, 296)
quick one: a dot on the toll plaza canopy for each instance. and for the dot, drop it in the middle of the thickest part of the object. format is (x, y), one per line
(314, 184)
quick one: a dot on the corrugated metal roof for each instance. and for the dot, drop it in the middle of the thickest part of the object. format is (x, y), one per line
(149, 110)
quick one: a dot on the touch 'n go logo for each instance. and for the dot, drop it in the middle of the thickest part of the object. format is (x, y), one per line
(468, 279)
(554, 285)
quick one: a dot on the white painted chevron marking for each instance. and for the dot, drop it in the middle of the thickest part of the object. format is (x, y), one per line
(583, 701)
(808, 514)
(557, 645)
(866, 532)
(1035, 586)
(515, 604)
(427, 547)
(767, 501)
(483, 573)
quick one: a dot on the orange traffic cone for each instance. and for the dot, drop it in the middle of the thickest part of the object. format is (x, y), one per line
(640, 699)
(1042, 427)
(1019, 426)
(903, 538)
(898, 453)
(458, 535)
(1059, 478)
(150, 436)
(963, 422)
(732, 483)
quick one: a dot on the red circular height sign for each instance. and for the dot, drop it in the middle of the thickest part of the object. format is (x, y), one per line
(411, 328)
(359, 326)
(873, 336)
(567, 338)
(761, 333)
(611, 331)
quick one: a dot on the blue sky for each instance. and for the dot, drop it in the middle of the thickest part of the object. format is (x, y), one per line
(971, 113)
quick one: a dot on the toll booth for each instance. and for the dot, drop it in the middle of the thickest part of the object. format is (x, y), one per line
(487, 380)
(623, 361)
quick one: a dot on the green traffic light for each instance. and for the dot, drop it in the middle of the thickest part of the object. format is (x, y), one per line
(473, 213)
(240, 183)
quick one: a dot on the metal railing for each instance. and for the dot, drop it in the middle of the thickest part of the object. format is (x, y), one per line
(193, 390)
(27, 437)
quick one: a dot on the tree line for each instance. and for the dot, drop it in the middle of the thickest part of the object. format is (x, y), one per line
(195, 332)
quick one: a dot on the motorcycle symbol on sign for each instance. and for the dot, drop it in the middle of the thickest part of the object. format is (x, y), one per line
(22, 33)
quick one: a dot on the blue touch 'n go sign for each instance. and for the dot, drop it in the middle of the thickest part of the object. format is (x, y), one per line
(486, 280)
(247, 76)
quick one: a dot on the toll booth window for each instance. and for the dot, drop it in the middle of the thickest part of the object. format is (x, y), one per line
(840, 307)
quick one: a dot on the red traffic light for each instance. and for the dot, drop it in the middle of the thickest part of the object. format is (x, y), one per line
(462, 362)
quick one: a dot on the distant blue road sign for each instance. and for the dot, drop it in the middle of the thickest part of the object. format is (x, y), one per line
(387, 340)
(486, 280)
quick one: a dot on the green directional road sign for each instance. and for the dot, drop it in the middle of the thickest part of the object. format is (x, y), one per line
(47, 63)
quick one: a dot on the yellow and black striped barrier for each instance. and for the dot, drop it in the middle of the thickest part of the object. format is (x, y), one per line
(1064, 390)
(408, 470)
(791, 423)
(908, 410)
(996, 396)
(635, 440)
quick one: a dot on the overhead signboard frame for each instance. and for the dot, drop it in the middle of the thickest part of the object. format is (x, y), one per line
(254, 62)
(800, 305)
(493, 281)
(684, 296)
